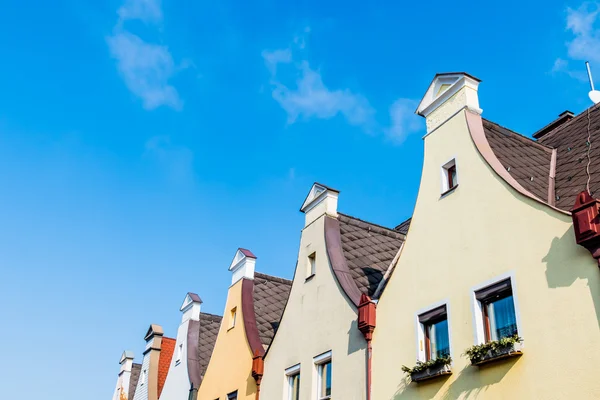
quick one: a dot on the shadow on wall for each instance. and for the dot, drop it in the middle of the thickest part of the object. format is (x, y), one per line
(356, 341)
(471, 382)
(561, 271)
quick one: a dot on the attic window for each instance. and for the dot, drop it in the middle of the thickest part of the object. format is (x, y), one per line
(179, 353)
(449, 177)
(144, 373)
(232, 317)
(311, 265)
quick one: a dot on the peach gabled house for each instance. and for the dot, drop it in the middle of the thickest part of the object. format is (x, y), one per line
(254, 305)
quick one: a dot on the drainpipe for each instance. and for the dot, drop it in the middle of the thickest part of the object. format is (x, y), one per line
(367, 310)
(258, 367)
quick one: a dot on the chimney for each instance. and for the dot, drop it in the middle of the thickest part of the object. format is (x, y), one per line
(447, 94)
(191, 307)
(563, 117)
(242, 265)
(320, 200)
(122, 389)
(153, 340)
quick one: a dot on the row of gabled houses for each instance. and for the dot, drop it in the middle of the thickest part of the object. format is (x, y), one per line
(491, 290)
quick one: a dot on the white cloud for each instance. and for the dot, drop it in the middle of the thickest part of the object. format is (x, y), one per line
(146, 69)
(585, 44)
(307, 96)
(176, 161)
(403, 120)
(311, 98)
(144, 10)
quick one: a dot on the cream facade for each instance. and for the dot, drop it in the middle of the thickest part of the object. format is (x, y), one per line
(320, 318)
(488, 228)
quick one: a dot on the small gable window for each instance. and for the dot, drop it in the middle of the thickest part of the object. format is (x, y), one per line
(311, 265)
(232, 317)
(449, 177)
(179, 353)
(144, 374)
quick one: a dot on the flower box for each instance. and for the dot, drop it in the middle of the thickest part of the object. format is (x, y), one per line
(511, 350)
(431, 372)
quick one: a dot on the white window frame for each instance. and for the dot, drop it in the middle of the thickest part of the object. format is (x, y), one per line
(289, 374)
(179, 353)
(311, 264)
(420, 328)
(444, 174)
(319, 361)
(144, 374)
(479, 330)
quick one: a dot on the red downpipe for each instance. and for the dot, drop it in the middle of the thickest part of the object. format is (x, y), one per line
(366, 324)
(369, 356)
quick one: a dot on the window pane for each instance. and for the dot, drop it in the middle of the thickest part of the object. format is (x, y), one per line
(325, 372)
(442, 342)
(502, 318)
(294, 387)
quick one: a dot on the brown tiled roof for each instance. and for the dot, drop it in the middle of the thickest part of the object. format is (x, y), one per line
(270, 297)
(403, 227)
(209, 329)
(570, 141)
(369, 249)
(526, 160)
(135, 377)
(164, 361)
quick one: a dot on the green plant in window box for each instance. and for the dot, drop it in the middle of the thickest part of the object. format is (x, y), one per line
(422, 367)
(492, 349)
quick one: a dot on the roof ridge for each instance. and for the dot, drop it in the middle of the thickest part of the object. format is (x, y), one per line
(523, 137)
(211, 315)
(569, 122)
(272, 278)
(394, 233)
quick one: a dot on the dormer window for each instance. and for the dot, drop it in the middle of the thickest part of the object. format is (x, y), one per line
(232, 317)
(449, 177)
(311, 266)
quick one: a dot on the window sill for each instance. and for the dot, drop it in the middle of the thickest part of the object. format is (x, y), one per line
(447, 192)
(308, 278)
(431, 373)
(514, 350)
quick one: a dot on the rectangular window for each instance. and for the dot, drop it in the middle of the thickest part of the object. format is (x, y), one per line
(232, 317)
(311, 265)
(293, 379)
(449, 176)
(179, 353)
(232, 396)
(499, 318)
(144, 373)
(434, 331)
(324, 371)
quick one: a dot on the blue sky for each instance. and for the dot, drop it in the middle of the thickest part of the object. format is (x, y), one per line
(142, 142)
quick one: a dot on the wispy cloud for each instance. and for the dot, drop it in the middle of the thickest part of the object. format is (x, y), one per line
(403, 120)
(308, 97)
(144, 10)
(176, 161)
(146, 68)
(582, 23)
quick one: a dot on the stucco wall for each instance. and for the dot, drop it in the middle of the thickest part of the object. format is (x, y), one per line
(230, 366)
(177, 384)
(478, 232)
(318, 318)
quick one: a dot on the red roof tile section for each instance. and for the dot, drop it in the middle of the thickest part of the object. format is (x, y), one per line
(164, 361)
